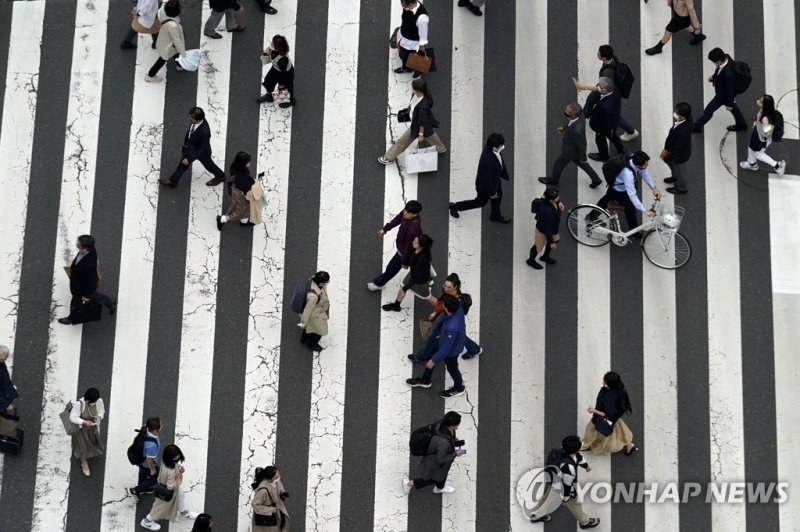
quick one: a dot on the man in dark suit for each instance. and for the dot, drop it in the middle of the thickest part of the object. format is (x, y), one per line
(678, 148)
(603, 111)
(724, 80)
(491, 169)
(573, 147)
(83, 279)
(196, 147)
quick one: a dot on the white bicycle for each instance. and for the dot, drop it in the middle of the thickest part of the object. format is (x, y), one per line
(662, 244)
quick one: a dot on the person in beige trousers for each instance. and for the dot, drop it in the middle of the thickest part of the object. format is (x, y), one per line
(269, 511)
(171, 476)
(422, 125)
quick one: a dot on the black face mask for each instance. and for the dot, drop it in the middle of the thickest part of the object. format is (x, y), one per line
(568, 117)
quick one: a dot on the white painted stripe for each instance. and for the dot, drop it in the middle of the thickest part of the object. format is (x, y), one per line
(397, 328)
(783, 226)
(135, 287)
(16, 143)
(780, 75)
(202, 264)
(594, 269)
(724, 317)
(466, 137)
(660, 401)
(74, 218)
(336, 199)
(527, 327)
(266, 282)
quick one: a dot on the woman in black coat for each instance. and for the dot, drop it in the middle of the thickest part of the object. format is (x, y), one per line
(423, 124)
(548, 221)
(418, 279)
(8, 393)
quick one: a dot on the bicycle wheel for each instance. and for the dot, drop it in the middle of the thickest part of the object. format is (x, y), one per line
(666, 250)
(583, 222)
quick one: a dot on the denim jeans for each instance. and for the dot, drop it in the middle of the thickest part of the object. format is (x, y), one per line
(392, 269)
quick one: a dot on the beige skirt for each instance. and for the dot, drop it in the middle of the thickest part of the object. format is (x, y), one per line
(600, 444)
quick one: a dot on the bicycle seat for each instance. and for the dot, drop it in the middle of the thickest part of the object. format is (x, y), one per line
(614, 206)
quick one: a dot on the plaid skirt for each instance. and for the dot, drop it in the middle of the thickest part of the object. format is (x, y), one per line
(240, 207)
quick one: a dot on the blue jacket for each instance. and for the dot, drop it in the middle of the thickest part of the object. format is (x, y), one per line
(452, 337)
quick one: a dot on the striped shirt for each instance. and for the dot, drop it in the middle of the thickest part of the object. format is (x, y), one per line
(569, 474)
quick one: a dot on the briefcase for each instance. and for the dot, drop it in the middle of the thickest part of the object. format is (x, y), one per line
(422, 62)
(86, 312)
(11, 444)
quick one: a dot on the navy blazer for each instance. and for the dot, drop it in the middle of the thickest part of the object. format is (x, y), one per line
(603, 114)
(490, 171)
(679, 143)
(83, 279)
(725, 82)
(199, 144)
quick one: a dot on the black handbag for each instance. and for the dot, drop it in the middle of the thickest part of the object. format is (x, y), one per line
(161, 491)
(602, 425)
(266, 520)
(404, 115)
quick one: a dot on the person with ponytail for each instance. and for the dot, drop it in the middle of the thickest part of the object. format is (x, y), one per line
(763, 135)
(606, 432)
(269, 511)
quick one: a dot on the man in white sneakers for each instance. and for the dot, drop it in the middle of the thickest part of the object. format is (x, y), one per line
(442, 450)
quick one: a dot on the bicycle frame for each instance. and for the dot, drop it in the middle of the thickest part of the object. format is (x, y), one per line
(618, 237)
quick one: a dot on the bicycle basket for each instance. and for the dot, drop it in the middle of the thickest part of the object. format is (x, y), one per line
(670, 218)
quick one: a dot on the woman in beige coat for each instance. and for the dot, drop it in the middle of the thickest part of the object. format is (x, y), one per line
(171, 42)
(314, 319)
(268, 506)
(171, 476)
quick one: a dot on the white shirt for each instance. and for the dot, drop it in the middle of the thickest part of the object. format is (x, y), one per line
(77, 408)
(148, 10)
(414, 101)
(499, 158)
(194, 127)
(422, 27)
(572, 121)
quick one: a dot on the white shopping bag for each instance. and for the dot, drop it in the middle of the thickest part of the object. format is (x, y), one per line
(190, 61)
(422, 160)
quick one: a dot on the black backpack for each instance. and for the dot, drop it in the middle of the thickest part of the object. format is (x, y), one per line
(536, 205)
(623, 78)
(299, 295)
(466, 303)
(421, 439)
(777, 127)
(612, 168)
(554, 458)
(743, 76)
(136, 450)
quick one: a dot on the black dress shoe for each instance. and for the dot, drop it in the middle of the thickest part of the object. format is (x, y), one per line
(127, 45)
(402, 70)
(463, 3)
(475, 10)
(454, 211)
(65, 321)
(674, 190)
(220, 223)
(737, 128)
(547, 181)
(596, 157)
(501, 219)
(166, 183)
(269, 10)
(669, 180)
(595, 184)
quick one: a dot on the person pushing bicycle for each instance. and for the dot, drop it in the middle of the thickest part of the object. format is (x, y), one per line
(623, 189)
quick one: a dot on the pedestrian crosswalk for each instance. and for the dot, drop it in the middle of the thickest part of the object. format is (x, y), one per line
(204, 336)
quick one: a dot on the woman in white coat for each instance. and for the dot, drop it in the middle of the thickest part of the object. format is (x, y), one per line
(87, 413)
(171, 42)
(170, 476)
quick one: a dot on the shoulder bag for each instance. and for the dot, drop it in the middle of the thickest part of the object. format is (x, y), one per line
(161, 491)
(69, 427)
(266, 520)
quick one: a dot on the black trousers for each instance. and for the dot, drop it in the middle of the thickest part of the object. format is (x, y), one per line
(273, 78)
(420, 483)
(158, 64)
(482, 199)
(563, 161)
(602, 145)
(131, 36)
(146, 482)
(95, 296)
(310, 339)
(207, 163)
(715, 103)
(623, 199)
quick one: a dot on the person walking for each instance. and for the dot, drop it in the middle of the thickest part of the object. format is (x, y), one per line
(203, 523)
(684, 18)
(443, 449)
(761, 137)
(573, 147)
(196, 147)
(603, 111)
(545, 235)
(423, 123)
(281, 72)
(269, 510)
(314, 319)
(410, 227)
(418, 278)
(145, 20)
(8, 392)
(266, 7)
(220, 8)
(87, 413)
(606, 432)
(413, 33)
(83, 280)
(491, 169)
(473, 6)
(148, 468)
(451, 343)
(170, 477)
(451, 286)
(678, 148)
(240, 184)
(172, 42)
(724, 81)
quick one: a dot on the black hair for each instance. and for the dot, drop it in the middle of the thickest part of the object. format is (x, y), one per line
(321, 278)
(615, 384)
(606, 52)
(239, 163)
(454, 280)
(451, 303)
(425, 242)
(153, 423)
(571, 444)
(86, 241)
(91, 395)
(172, 455)
(202, 523)
(172, 8)
(413, 206)
(684, 109)
(451, 419)
(197, 113)
(262, 474)
(768, 107)
(281, 44)
(639, 158)
(495, 140)
(550, 194)
(716, 54)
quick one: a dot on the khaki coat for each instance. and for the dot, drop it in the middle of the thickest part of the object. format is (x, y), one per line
(163, 509)
(316, 312)
(263, 499)
(170, 37)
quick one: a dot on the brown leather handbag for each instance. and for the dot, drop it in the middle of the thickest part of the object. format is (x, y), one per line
(420, 62)
(138, 28)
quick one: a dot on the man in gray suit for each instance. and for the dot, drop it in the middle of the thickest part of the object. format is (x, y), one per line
(573, 147)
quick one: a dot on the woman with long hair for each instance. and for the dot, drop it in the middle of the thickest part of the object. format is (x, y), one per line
(240, 184)
(761, 137)
(269, 511)
(606, 432)
(423, 123)
(314, 319)
(170, 482)
(419, 276)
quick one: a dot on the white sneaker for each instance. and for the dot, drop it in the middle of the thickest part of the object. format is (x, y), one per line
(747, 166)
(153, 79)
(189, 514)
(384, 160)
(149, 525)
(627, 137)
(445, 489)
(374, 287)
(406, 489)
(781, 168)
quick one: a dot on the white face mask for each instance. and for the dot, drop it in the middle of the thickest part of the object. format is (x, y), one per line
(675, 117)
(275, 482)
(501, 148)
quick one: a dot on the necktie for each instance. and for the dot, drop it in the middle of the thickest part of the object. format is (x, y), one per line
(192, 128)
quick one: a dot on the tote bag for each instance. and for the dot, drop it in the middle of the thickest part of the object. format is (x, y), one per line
(422, 160)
